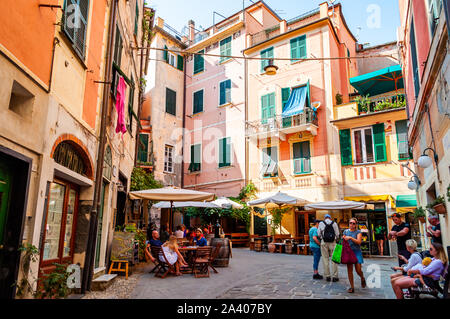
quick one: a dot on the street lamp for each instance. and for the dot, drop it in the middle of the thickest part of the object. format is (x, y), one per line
(425, 161)
(414, 183)
(271, 69)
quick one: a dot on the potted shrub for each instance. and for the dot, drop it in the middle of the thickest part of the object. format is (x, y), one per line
(419, 213)
(439, 205)
(339, 99)
(363, 104)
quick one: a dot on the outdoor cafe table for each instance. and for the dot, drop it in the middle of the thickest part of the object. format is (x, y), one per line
(188, 252)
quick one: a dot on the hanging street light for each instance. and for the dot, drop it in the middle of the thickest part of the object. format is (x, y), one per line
(425, 161)
(414, 183)
(271, 69)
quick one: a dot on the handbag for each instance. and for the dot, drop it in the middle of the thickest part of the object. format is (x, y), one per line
(348, 256)
(337, 253)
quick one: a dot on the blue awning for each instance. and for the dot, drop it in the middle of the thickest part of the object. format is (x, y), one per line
(297, 102)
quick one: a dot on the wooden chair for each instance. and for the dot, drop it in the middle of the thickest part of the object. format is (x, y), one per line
(200, 265)
(213, 257)
(116, 265)
(164, 266)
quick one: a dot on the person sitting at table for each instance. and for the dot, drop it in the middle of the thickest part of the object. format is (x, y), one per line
(173, 254)
(154, 241)
(200, 240)
(179, 232)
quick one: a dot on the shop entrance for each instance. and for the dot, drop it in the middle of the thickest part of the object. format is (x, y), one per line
(373, 226)
(303, 219)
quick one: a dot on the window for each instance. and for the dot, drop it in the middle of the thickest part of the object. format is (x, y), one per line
(180, 63)
(74, 23)
(268, 53)
(434, 11)
(346, 147)
(198, 102)
(68, 156)
(302, 157)
(225, 92)
(199, 62)
(363, 146)
(118, 44)
(225, 152)
(267, 107)
(415, 63)
(168, 159)
(196, 158)
(143, 148)
(269, 162)
(298, 48)
(285, 94)
(171, 101)
(172, 59)
(130, 109)
(225, 49)
(107, 163)
(401, 128)
(136, 18)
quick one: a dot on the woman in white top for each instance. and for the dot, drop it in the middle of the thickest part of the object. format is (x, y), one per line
(173, 255)
(179, 233)
(415, 259)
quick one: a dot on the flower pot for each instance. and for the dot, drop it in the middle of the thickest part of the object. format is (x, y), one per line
(440, 208)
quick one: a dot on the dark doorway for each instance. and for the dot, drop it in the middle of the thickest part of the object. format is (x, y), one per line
(260, 225)
(15, 170)
(121, 201)
(303, 222)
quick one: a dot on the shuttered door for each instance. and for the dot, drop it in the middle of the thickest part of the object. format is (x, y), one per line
(346, 147)
(379, 142)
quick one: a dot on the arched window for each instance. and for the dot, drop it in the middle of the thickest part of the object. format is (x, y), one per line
(107, 163)
(68, 156)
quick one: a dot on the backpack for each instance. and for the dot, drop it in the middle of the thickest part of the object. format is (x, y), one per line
(329, 235)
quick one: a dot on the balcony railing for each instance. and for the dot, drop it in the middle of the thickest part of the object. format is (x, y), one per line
(377, 104)
(282, 124)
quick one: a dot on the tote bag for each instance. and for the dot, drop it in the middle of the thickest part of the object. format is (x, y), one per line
(337, 253)
(348, 256)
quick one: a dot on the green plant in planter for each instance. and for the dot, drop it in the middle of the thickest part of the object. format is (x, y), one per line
(129, 228)
(339, 98)
(363, 103)
(277, 217)
(30, 254)
(54, 285)
(419, 212)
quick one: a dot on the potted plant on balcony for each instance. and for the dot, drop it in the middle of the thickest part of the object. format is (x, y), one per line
(363, 104)
(438, 205)
(419, 213)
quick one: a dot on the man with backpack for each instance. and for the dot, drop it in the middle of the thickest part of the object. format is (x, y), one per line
(328, 233)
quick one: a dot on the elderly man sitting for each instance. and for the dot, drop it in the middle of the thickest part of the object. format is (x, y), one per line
(152, 242)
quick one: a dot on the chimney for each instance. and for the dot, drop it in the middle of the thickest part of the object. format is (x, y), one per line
(191, 25)
(283, 26)
(323, 10)
(160, 22)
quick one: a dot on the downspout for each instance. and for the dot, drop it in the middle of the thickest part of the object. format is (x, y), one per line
(93, 221)
(246, 179)
(184, 123)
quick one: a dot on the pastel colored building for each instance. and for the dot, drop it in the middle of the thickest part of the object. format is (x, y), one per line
(215, 112)
(291, 143)
(424, 42)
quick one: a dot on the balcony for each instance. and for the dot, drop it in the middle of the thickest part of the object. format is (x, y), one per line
(279, 126)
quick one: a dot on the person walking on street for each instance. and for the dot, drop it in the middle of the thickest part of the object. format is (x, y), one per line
(401, 233)
(354, 238)
(314, 244)
(380, 237)
(328, 232)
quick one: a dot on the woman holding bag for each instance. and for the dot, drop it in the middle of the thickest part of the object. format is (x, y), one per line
(353, 237)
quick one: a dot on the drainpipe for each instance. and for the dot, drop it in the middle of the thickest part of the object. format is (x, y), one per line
(93, 221)
(184, 123)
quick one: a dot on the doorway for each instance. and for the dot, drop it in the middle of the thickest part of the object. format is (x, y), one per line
(303, 221)
(15, 170)
(100, 225)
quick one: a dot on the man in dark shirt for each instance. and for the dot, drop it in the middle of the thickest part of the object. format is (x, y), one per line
(401, 233)
(434, 229)
(155, 239)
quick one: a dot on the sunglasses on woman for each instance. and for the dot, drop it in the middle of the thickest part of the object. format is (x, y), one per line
(352, 223)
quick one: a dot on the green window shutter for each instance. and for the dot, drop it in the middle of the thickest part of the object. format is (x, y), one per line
(346, 147)
(180, 62)
(225, 92)
(379, 142)
(199, 63)
(298, 48)
(136, 18)
(224, 152)
(195, 165)
(225, 49)
(143, 148)
(68, 18)
(80, 32)
(171, 97)
(198, 102)
(271, 107)
(285, 94)
(268, 53)
(401, 128)
(264, 108)
(130, 108)
(166, 54)
(302, 157)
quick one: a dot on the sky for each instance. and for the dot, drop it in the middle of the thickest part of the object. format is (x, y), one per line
(373, 22)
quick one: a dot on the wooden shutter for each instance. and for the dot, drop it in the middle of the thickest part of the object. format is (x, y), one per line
(143, 148)
(171, 101)
(225, 49)
(68, 17)
(298, 48)
(195, 165)
(166, 54)
(199, 62)
(136, 18)
(346, 147)
(268, 53)
(224, 152)
(415, 64)
(271, 106)
(379, 142)
(80, 33)
(180, 61)
(198, 102)
(130, 108)
(285, 94)
(225, 92)
(264, 108)
(401, 129)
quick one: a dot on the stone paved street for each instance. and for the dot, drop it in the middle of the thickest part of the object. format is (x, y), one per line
(261, 275)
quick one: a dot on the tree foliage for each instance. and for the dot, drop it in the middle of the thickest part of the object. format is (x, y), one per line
(142, 179)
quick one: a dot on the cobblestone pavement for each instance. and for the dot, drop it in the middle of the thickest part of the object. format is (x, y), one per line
(261, 275)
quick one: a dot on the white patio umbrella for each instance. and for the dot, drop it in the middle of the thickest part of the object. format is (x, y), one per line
(171, 194)
(277, 200)
(186, 204)
(336, 205)
(225, 202)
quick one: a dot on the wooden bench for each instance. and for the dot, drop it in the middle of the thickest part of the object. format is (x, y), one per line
(281, 238)
(240, 238)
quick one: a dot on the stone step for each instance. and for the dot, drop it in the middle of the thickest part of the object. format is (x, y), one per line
(103, 282)
(99, 272)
